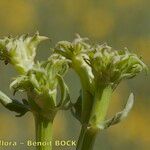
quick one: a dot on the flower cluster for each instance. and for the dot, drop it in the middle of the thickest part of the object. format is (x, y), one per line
(20, 51)
(72, 49)
(99, 67)
(42, 80)
(110, 66)
(107, 65)
(42, 76)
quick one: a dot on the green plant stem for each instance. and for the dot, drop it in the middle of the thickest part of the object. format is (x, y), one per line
(87, 138)
(86, 106)
(100, 106)
(43, 132)
(99, 109)
(86, 79)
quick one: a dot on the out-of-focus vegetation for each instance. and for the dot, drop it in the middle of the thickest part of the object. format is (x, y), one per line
(120, 23)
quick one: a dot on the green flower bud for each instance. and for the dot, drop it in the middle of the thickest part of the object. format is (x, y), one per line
(100, 64)
(43, 75)
(41, 82)
(76, 53)
(20, 51)
(110, 66)
(72, 49)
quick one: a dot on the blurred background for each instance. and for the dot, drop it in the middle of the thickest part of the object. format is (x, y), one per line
(120, 23)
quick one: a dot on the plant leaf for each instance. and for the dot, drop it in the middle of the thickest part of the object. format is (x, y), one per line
(13, 105)
(120, 115)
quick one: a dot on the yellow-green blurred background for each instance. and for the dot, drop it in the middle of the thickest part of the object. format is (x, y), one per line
(120, 23)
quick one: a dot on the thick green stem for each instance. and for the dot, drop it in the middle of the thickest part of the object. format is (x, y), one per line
(43, 132)
(95, 103)
(100, 106)
(97, 115)
(86, 106)
(87, 138)
(86, 78)
(81, 137)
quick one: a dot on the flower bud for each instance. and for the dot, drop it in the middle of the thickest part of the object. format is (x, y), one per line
(110, 66)
(41, 82)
